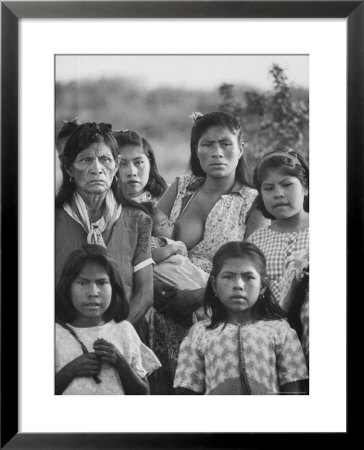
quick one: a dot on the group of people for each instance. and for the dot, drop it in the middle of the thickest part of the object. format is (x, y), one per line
(199, 287)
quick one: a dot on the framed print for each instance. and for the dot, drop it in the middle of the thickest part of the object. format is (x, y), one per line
(32, 33)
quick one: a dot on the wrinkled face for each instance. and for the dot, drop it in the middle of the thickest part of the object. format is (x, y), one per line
(282, 194)
(134, 169)
(161, 225)
(219, 151)
(238, 286)
(91, 294)
(93, 169)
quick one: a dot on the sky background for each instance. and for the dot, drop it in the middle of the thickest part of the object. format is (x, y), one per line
(192, 71)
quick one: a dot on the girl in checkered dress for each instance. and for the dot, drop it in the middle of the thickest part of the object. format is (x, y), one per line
(246, 347)
(282, 179)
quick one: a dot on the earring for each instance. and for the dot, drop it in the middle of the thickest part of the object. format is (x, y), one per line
(115, 180)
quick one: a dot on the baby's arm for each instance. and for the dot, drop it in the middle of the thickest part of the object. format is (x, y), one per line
(160, 254)
(132, 383)
(86, 365)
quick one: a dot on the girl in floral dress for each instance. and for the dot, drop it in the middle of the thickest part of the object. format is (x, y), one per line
(246, 347)
(282, 179)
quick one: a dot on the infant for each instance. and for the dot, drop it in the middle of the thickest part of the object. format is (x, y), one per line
(171, 257)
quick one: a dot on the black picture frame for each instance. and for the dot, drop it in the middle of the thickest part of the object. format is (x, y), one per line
(11, 13)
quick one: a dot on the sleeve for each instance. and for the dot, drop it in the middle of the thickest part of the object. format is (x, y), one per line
(190, 373)
(143, 360)
(291, 362)
(142, 256)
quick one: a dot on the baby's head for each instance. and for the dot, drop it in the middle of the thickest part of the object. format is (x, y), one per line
(161, 223)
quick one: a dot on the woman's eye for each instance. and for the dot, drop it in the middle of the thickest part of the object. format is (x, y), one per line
(226, 143)
(227, 277)
(287, 184)
(139, 163)
(266, 188)
(105, 159)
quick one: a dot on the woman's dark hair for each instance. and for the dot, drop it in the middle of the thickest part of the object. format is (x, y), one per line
(82, 137)
(76, 261)
(66, 130)
(292, 163)
(224, 120)
(265, 308)
(156, 184)
(298, 293)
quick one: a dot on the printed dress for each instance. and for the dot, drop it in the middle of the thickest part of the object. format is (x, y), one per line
(225, 222)
(255, 358)
(279, 250)
(125, 339)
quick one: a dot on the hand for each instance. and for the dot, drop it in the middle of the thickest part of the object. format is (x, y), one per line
(86, 365)
(163, 293)
(108, 353)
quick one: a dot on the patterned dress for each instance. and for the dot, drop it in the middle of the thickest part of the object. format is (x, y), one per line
(123, 336)
(279, 249)
(225, 222)
(256, 358)
(287, 257)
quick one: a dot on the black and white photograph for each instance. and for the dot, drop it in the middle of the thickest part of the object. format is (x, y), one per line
(170, 173)
(182, 224)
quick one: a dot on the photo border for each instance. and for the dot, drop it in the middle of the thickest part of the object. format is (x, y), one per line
(11, 12)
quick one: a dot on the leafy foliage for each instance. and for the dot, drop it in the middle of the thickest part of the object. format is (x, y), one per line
(276, 119)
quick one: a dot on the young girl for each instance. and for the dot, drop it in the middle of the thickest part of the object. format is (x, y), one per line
(171, 257)
(246, 348)
(138, 168)
(282, 179)
(97, 351)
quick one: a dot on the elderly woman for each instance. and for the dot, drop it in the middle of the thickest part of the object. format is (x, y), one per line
(209, 207)
(90, 208)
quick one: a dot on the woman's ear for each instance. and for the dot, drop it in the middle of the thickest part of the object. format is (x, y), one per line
(241, 148)
(213, 284)
(263, 289)
(117, 162)
(69, 171)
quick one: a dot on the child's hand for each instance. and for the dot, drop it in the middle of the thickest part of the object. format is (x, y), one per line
(107, 352)
(86, 365)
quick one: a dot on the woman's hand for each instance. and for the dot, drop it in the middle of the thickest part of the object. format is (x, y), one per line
(163, 294)
(177, 304)
(108, 353)
(86, 365)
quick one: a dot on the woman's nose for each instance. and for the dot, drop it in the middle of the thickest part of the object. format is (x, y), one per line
(93, 289)
(217, 152)
(239, 283)
(278, 192)
(131, 171)
(96, 166)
